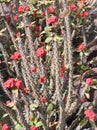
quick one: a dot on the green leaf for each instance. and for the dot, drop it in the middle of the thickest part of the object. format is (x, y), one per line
(95, 80)
(94, 87)
(31, 123)
(58, 38)
(87, 95)
(3, 30)
(84, 122)
(15, 92)
(93, 124)
(33, 106)
(6, 114)
(8, 43)
(18, 127)
(48, 39)
(49, 108)
(38, 124)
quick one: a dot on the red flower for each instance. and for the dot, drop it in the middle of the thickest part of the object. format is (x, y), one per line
(33, 128)
(27, 8)
(61, 74)
(21, 9)
(43, 13)
(18, 34)
(8, 17)
(51, 10)
(19, 84)
(1, 123)
(15, 18)
(72, 7)
(89, 81)
(5, 127)
(38, 34)
(43, 99)
(62, 69)
(52, 19)
(15, 56)
(26, 90)
(37, 28)
(9, 83)
(8, 102)
(83, 100)
(85, 14)
(33, 69)
(35, 13)
(42, 79)
(42, 43)
(81, 47)
(40, 52)
(90, 115)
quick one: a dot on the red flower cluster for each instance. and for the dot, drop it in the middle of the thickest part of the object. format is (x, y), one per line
(42, 79)
(42, 43)
(62, 70)
(84, 14)
(34, 13)
(72, 7)
(8, 17)
(8, 102)
(23, 8)
(89, 81)
(33, 128)
(90, 115)
(81, 47)
(19, 83)
(26, 90)
(16, 56)
(51, 10)
(37, 28)
(43, 99)
(10, 83)
(83, 100)
(40, 52)
(5, 127)
(15, 18)
(33, 69)
(52, 19)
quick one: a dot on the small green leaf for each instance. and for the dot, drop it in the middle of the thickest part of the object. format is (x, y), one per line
(87, 95)
(33, 106)
(38, 124)
(15, 92)
(94, 87)
(48, 39)
(95, 80)
(31, 123)
(8, 43)
(92, 124)
(49, 108)
(83, 122)
(18, 127)
(6, 114)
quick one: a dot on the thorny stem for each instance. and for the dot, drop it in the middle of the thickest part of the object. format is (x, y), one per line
(70, 60)
(43, 118)
(21, 116)
(84, 35)
(9, 29)
(32, 85)
(61, 123)
(9, 111)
